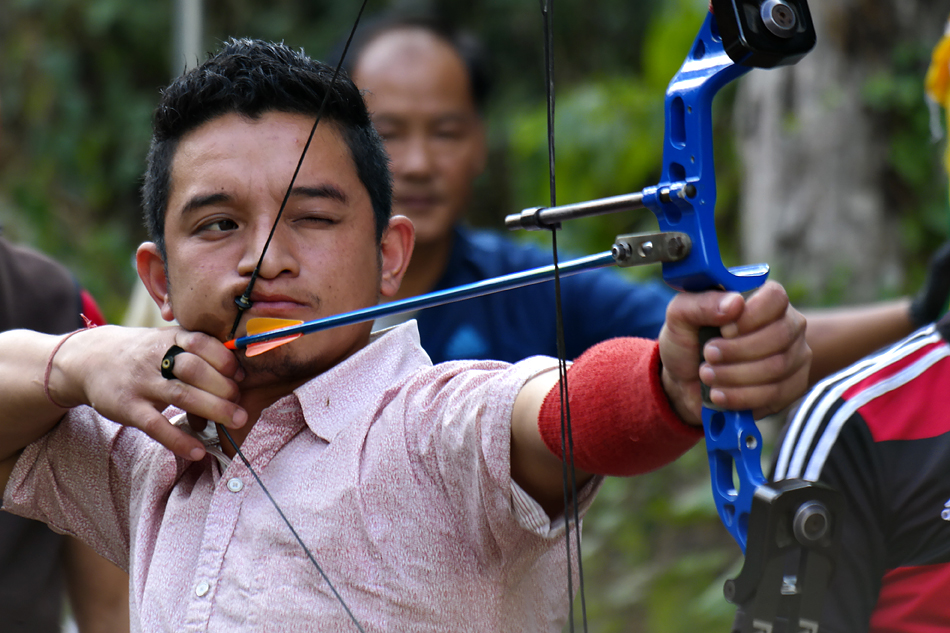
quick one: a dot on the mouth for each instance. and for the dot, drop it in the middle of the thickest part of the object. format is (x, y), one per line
(418, 203)
(276, 306)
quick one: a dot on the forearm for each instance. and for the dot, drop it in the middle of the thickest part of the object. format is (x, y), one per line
(98, 590)
(622, 422)
(840, 337)
(27, 414)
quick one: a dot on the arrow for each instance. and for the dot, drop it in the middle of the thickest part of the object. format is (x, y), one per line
(277, 332)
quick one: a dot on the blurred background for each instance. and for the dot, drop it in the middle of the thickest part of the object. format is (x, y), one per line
(832, 171)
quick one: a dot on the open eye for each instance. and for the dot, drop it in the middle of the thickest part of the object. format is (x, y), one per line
(221, 225)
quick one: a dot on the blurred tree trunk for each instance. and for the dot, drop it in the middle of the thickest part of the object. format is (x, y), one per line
(822, 196)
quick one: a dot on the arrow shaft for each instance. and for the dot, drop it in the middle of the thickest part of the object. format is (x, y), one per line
(432, 299)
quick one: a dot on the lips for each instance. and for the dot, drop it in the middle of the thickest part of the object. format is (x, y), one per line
(416, 202)
(276, 305)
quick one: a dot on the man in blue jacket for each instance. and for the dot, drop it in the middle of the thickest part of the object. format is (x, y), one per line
(426, 88)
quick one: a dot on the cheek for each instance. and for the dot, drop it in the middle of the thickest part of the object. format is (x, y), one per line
(462, 170)
(195, 283)
(342, 264)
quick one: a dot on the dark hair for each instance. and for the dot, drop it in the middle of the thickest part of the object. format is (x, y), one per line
(468, 47)
(251, 77)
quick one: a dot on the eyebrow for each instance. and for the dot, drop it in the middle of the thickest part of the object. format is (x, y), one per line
(321, 191)
(199, 201)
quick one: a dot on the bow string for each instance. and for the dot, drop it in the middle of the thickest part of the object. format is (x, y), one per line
(244, 303)
(568, 469)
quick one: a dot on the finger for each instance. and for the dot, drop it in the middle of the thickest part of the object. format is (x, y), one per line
(159, 428)
(212, 351)
(761, 399)
(199, 373)
(775, 367)
(201, 403)
(765, 305)
(687, 312)
(775, 338)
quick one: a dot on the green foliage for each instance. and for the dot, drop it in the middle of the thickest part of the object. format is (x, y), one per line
(78, 83)
(654, 552)
(918, 180)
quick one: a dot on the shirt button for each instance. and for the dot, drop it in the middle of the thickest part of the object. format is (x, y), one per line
(202, 589)
(235, 484)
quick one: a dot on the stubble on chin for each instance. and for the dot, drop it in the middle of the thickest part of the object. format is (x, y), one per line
(295, 366)
(275, 366)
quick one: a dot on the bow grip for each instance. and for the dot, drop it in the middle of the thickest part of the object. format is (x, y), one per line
(734, 451)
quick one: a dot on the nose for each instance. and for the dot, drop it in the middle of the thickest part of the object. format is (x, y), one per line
(413, 158)
(279, 253)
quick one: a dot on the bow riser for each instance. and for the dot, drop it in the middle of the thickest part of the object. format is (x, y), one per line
(685, 198)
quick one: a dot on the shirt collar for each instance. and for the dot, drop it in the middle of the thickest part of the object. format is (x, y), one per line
(337, 396)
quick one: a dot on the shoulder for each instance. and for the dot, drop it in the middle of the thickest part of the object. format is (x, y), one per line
(465, 398)
(83, 441)
(30, 265)
(36, 292)
(890, 395)
(487, 379)
(497, 253)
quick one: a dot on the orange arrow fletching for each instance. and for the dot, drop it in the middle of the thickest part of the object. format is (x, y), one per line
(259, 348)
(260, 325)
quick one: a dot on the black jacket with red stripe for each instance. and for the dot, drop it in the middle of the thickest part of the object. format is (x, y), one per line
(879, 432)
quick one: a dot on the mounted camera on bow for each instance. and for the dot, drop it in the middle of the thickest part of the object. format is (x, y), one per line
(765, 33)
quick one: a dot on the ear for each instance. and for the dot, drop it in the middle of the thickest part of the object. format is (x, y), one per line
(151, 269)
(395, 249)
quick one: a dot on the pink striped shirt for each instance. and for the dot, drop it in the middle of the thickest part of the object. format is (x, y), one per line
(394, 472)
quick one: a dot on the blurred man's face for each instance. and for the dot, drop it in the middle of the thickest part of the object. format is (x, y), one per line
(418, 92)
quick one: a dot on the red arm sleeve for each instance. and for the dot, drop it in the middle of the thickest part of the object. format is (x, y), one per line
(621, 419)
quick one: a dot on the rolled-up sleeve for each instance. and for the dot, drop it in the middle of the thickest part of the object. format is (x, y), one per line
(77, 479)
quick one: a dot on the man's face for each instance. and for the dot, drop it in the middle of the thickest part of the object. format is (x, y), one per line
(228, 178)
(417, 90)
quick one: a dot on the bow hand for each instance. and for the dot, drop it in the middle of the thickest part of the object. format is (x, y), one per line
(759, 363)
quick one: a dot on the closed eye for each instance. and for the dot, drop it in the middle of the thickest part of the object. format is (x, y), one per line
(318, 220)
